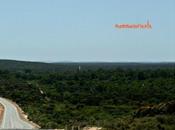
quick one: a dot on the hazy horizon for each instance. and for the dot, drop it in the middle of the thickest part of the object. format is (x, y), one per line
(88, 61)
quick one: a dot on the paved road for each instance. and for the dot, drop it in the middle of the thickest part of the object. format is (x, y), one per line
(11, 118)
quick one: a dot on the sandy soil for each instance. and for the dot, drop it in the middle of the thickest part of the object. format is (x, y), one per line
(1, 112)
(92, 128)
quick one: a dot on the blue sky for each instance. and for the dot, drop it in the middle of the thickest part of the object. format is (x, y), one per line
(76, 30)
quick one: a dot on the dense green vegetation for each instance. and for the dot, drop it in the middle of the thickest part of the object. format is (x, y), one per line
(101, 97)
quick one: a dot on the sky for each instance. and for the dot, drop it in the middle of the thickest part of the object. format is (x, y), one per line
(83, 31)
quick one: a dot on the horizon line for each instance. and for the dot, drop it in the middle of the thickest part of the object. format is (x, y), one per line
(37, 61)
